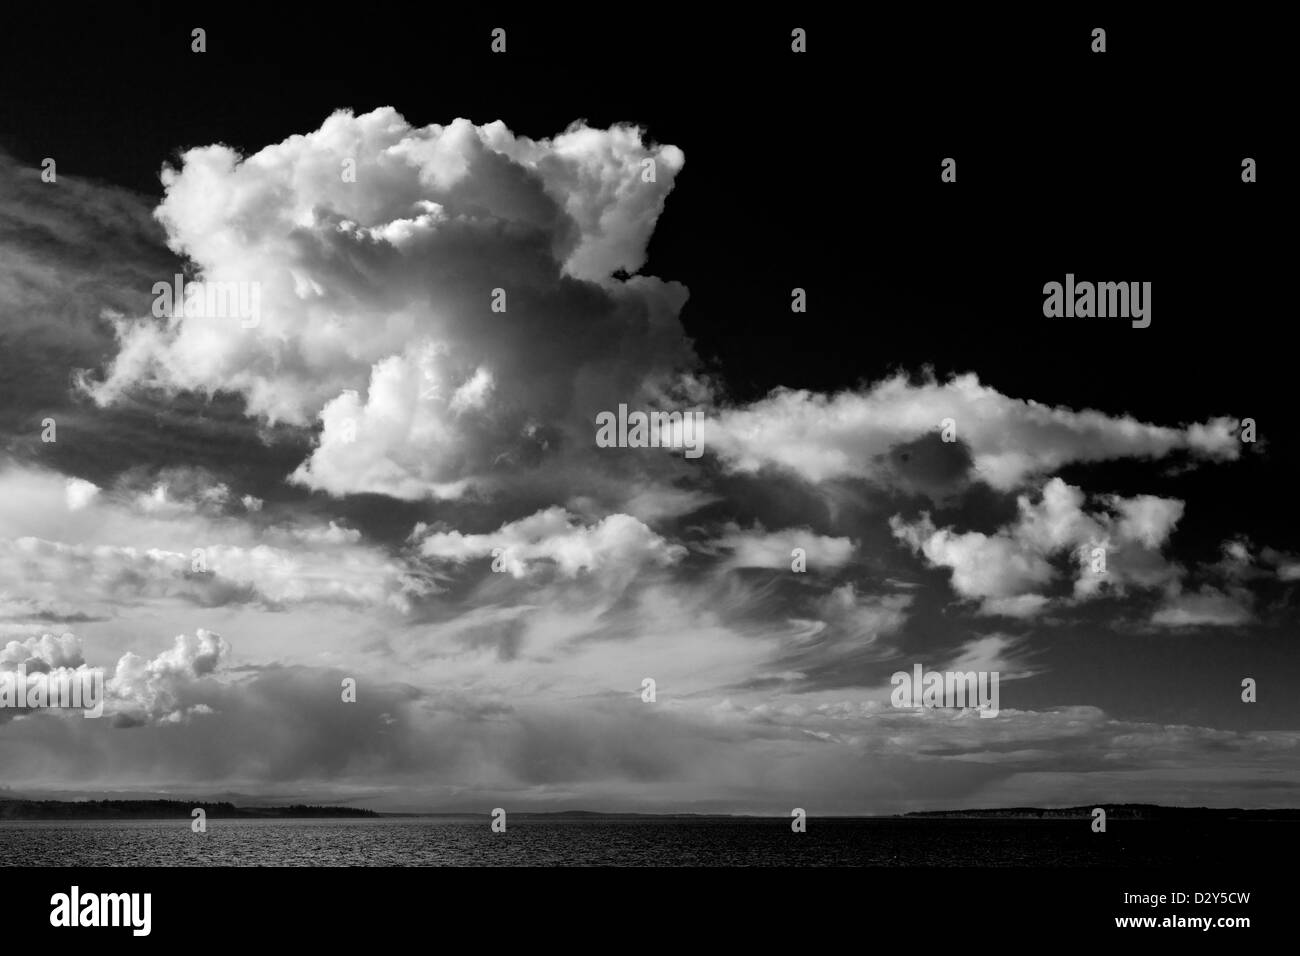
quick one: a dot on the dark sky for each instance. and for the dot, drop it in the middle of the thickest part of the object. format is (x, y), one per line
(1069, 161)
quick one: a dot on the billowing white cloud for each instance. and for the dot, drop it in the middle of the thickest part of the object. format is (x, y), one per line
(983, 566)
(48, 650)
(80, 493)
(442, 299)
(612, 546)
(1113, 549)
(757, 548)
(158, 690)
(137, 691)
(1011, 441)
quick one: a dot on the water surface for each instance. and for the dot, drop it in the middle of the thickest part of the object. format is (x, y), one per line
(470, 842)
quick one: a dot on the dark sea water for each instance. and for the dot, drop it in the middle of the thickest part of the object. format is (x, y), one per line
(439, 842)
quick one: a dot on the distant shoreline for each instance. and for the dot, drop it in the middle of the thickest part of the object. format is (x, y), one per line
(164, 810)
(29, 810)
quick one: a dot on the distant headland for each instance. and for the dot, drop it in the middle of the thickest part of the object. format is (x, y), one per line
(162, 810)
(27, 809)
(1114, 811)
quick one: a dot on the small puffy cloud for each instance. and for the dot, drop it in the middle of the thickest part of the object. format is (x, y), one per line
(1241, 562)
(174, 491)
(80, 493)
(983, 566)
(159, 499)
(1207, 607)
(1019, 605)
(1011, 441)
(1224, 597)
(650, 502)
(1286, 566)
(44, 652)
(554, 536)
(1007, 571)
(472, 393)
(757, 548)
(1146, 519)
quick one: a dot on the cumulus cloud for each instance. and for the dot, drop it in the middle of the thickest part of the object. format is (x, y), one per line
(1240, 561)
(612, 546)
(169, 491)
(451, 307)
(44, 652)
(138, 691)
(1009, 570)
(1011, 441)
(80, 493)
(757, 548)
(58, 658)
(1289, 570)
(162, 499)
(159, 690)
